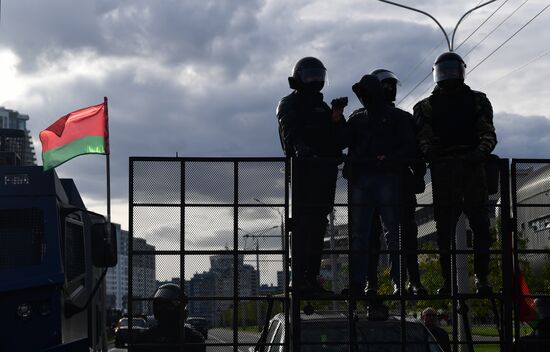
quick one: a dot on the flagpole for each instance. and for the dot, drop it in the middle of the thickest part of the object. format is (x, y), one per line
(107, 160)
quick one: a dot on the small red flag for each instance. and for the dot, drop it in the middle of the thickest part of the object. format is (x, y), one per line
(527, 308)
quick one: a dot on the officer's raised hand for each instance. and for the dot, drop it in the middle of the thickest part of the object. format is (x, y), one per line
(338, 106)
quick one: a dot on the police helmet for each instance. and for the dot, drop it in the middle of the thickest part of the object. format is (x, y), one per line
(167, 301)
(382, 74)
(308, 73)
(448, 66)
(389, 83)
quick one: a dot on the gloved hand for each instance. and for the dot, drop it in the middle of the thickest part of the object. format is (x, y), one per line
(338, 106)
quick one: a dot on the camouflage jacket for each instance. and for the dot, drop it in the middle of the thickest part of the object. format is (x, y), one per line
(479, 123)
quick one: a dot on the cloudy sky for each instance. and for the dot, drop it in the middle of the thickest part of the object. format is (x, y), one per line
(202, 78)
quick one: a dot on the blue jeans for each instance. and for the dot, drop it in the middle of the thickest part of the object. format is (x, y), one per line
(370, 192)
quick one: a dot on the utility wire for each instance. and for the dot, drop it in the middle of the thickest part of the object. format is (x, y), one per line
(417, 66)
(414, 88)
(494, 29)
(510, 37)
(409, 74)
(420, 95)
(519, 68)
(481, 25)
(426, 57)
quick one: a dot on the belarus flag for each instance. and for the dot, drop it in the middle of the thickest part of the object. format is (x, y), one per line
(84, 131)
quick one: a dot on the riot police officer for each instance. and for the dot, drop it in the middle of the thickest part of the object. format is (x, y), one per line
(412, 183)
(169, 309)
(313, 134)
(456, 135)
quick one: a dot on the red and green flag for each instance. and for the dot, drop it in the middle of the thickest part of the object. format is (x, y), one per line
(80, 132)
(527, 307)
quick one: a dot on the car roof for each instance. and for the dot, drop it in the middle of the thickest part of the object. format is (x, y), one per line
(341, 316)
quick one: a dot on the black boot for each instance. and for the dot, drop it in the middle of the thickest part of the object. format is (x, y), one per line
(416, 288)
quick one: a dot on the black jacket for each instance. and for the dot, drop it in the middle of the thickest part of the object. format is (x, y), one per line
(306, 126)
(385, 132)
(169, 337)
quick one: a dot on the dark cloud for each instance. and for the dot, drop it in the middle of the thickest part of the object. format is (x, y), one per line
(202, 78)
(522, 136)
(175, 31)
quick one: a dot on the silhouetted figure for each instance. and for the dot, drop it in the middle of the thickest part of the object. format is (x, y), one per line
(171, 330)
(429, 317)
(412, 183)
(379, 136)
(310, 131)
(456, 135)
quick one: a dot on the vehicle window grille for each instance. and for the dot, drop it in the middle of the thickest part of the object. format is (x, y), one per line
(21, 238)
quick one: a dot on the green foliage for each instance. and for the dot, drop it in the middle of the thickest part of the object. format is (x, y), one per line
(430, 275)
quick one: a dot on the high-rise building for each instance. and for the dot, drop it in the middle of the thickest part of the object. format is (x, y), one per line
(144, 276)
(205, 284)
(15, 137)
(219, 282)
(144, 283)
(117, 277)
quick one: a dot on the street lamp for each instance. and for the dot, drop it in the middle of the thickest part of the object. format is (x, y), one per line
(257, 235)
(282, 221)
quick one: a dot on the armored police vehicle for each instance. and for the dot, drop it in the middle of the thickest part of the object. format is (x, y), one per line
(54, 255)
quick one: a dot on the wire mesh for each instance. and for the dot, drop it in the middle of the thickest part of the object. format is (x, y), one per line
(234, 212)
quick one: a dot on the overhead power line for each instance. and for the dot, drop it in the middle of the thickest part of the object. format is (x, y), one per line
(519, 68)
(464, 41)
(417, 66)
(509, 38)
(415, 87)
(481, 24)
(423, 93)
(494, 29)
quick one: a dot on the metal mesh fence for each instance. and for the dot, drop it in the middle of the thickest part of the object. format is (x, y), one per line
(531, 215)
(219, 228)
(216, 229)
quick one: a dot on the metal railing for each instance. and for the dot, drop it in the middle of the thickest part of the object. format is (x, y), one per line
(186, 212)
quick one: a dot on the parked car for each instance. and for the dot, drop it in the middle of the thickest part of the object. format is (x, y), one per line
(329, 332)
(121, 331)
(200, 324)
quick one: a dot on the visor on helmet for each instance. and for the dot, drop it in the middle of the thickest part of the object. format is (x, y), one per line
(449, 70)
(309, 75)
(387, 75)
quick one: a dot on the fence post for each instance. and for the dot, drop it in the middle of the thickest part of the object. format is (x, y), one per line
(507, 266)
